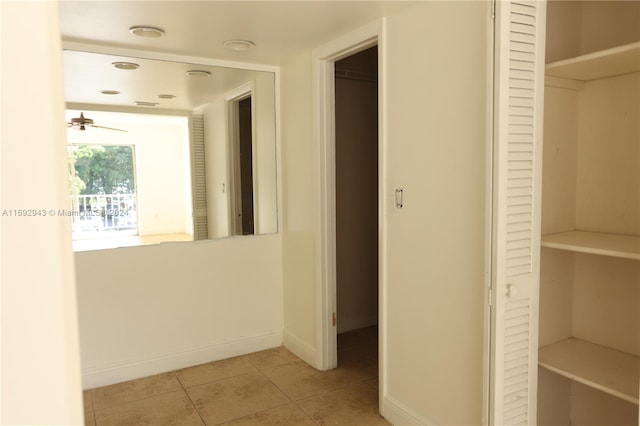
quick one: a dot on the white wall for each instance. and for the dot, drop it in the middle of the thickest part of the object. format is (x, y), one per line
(298, 239)
(149, 309)
(217, 144)
(436, 83)
(161, 166)
(265, 205)
(579, 27)
(437, 102)
(216, 161)
(40, 355)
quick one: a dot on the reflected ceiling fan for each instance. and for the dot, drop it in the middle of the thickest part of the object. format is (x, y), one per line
(81, 123)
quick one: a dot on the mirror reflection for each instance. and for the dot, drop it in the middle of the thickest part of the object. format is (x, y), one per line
(168, 151)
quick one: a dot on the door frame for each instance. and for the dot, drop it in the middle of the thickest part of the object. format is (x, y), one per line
(231, 99)
(324, 59)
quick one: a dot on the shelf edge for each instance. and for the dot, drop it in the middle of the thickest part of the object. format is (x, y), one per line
(590, 250)
(591, 384)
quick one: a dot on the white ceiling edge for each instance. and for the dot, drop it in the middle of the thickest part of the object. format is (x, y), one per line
(121, 109)
(120, 117)
(163, 56)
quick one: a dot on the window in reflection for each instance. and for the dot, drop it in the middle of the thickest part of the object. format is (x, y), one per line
(130, 199)
(103, 191)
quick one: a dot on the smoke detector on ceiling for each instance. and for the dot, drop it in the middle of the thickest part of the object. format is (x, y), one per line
(239, 44)
(146, 31)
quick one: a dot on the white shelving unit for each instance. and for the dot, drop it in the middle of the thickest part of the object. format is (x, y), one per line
(600, 367)
(592, 186)
(605, 63)
(624, 246)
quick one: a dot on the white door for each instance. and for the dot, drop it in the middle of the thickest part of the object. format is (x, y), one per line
(517, 158)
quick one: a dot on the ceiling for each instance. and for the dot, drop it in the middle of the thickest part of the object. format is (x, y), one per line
(88, 74)
(279, 30)
(198, 28)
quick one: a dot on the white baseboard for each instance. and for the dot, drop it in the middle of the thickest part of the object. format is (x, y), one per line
(121, 371)
(399, 414)
(300, 348)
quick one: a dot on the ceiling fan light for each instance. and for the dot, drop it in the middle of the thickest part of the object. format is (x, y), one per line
(146, 31)
(198, 73)
(239, 44)
(126, 65)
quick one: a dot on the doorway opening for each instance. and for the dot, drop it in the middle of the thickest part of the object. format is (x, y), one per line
(245, 130)
(242, 159)
(356, 206)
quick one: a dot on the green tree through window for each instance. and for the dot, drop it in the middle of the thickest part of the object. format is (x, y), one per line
(102, 169)
(102, 190)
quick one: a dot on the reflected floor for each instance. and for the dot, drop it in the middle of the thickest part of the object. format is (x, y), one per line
(272, 387)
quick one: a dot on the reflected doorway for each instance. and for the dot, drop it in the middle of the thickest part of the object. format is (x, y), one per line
(245, 130)
(243, 178)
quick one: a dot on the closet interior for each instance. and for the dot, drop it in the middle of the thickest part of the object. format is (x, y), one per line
(589, 329)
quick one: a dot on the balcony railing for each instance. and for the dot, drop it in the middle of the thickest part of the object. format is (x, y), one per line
(102, 215)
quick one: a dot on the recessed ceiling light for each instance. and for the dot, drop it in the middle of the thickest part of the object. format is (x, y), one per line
(239, 44)
(166, 96)
(199, 73)
(125, 65)
(143, 103)
(146, 31)
(109, 92)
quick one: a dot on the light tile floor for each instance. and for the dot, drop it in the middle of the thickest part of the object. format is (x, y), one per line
(272, 387)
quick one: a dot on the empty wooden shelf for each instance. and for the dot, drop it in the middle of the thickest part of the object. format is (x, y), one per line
(606, 63)
(603, 368)
(626, 246)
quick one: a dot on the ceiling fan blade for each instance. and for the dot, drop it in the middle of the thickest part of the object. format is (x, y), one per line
(109, 128)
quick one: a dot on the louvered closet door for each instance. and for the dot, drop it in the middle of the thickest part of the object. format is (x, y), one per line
(200, 225)
(517, 157)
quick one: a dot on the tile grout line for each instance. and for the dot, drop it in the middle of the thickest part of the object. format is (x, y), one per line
(286, 394)
(251, 414)
(93, 409)
(216, 380)
(136, 400)
(188, 396)
(257, 369)
(321, 393)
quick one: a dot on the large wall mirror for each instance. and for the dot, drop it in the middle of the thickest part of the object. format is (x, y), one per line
(168, 151)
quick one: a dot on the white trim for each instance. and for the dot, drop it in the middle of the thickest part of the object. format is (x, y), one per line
(117, 372)
(324, 58)
(299, 347)
(161, 56)
(278, 153)
(243, 91)
(125, 109)
(399, 414)
(383, 206)
(486, 370)
(231, 98)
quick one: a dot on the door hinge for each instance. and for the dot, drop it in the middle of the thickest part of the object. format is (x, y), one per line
(493, 9)
(490, 297)
(334, 319)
